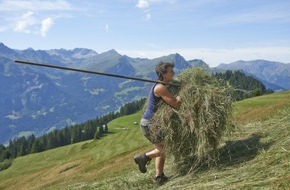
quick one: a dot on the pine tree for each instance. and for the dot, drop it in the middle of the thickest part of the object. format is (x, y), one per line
(36, 147)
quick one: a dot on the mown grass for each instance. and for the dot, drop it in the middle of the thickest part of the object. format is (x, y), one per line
(255, 155)
(261, 107)
(88, 160)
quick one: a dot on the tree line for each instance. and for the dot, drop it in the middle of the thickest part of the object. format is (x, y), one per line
(243, 86)
(92, 129)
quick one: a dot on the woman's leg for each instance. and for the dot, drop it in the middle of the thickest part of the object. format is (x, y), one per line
(158, 153)
(159, 165)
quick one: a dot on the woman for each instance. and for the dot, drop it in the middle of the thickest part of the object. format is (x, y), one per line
(158, 92)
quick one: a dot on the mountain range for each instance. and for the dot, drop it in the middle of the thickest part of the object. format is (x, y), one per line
(274, 75)
(38, 100)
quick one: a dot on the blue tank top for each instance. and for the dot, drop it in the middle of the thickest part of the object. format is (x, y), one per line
(151, 105)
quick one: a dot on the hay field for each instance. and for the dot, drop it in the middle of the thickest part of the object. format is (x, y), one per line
(254, 155)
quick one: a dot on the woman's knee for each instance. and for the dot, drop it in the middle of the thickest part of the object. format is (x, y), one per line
(159, 149)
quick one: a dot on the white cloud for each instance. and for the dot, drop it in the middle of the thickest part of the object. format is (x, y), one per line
(32, 16)
(29, 23)
(142, 4)
(25, 22)
(46, 24)
(34, 5)
(27, 16)
(145, 4)
(11, 9)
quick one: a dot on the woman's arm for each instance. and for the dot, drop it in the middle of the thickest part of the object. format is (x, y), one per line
(161, 91)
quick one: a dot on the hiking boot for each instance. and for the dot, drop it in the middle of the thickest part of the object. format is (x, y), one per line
(160, 180)
(142, 161)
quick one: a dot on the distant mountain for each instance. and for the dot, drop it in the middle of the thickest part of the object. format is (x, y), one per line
(37, 100)
(198, 63)
(274, 75)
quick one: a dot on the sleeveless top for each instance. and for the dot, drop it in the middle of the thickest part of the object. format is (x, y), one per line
(151, 105)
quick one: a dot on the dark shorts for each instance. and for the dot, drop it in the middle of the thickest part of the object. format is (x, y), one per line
(152, 132)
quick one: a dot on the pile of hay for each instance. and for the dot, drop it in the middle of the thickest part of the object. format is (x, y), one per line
(193, 133)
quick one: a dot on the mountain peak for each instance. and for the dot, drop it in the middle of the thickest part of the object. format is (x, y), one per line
(177, 55)
(2, 46)
(76, 53)
(83, 53)
(7, 52)
(29, 49)
(84, 50)
(198, 63)
(112, 51)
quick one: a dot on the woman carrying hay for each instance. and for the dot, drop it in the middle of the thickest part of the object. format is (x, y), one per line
(152, 132)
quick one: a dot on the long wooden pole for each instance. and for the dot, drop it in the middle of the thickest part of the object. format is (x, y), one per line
(93, 72)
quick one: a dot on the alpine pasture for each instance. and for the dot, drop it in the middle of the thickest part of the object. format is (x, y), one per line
(254, 154)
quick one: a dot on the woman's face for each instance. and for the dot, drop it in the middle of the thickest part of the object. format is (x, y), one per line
(168, 77)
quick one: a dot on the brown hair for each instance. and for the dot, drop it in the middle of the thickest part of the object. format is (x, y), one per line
(162, 68)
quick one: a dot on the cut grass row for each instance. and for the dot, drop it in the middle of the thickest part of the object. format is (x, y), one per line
(256, 155)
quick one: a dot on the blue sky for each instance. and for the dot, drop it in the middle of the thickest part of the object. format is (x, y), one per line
(217, 31)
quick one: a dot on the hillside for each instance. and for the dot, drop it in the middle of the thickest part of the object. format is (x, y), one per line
(255, 155)
(37, 100)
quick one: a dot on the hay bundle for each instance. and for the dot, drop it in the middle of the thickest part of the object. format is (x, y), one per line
(193, 132)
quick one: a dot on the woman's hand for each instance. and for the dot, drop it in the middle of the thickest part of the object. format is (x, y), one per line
(178, 99)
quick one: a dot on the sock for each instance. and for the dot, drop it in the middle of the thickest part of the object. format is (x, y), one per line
(147, 156)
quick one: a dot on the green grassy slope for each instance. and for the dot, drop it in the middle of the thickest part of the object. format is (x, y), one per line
(255, 156)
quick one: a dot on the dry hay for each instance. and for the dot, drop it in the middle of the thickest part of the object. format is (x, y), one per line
(193, 132)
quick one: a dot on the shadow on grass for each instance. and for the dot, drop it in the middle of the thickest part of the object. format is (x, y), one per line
(236, 152)
(232, 153)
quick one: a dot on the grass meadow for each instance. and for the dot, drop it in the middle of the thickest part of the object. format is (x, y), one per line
(255, 154)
